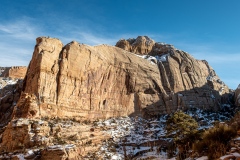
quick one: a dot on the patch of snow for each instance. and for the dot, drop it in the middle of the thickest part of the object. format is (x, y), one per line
(237, 139)
(225, 157)
(69, 146)
(152, 59)
(202, 158)
(237, 155)
(210, 78)
(55, 147)
(11, 82)
(162, 58)
(212, 96)
(20, 157)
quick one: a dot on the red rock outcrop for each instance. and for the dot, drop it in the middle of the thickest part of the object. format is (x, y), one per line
(82, 82)
(103, 81)
(143, 45)
(13, 72)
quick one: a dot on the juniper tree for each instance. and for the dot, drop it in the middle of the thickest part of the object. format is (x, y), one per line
(181, 127)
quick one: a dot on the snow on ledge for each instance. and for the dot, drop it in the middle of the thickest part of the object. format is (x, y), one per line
(153, 59)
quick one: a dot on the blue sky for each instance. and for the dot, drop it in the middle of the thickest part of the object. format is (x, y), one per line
(207, 29)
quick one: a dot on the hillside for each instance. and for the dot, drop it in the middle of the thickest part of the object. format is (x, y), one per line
(105, 102)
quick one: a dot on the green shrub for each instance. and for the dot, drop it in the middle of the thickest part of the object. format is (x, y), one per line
(180, 127)
(235, 121)
(183, 129)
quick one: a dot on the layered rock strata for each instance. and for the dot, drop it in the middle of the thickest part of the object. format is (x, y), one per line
(50, 139)
(103, 81)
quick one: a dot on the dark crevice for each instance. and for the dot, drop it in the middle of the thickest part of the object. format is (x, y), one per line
(58, 75)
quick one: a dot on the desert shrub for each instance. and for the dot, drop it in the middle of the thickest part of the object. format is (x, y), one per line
(235, 121)
(215, 141)
(184, 131)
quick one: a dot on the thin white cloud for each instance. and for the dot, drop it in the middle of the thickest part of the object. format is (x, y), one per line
(20, 29)
(18, 39)
(87, 38)
(218, 58)
(91, 39)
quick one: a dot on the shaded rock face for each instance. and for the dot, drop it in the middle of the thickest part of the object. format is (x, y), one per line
(237, 96)
(13, 72)
(10, 91)
(186, 81)
(103, 81)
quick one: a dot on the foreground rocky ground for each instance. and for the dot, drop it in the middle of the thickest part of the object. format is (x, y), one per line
(88, 102)
(115, 138)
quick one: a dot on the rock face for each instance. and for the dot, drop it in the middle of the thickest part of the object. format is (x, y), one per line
(80, 82)
(144, 45)
(186, 81)
(13, 72)
(50, 139)
(103, 81)
(237, 96)
(9, 94)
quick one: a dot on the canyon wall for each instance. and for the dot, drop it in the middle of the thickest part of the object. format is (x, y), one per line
(78, 80)
(13, 72)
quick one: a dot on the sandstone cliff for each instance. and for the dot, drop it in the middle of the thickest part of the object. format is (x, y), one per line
(103, 81)
(10, 90)
(13, 72)
(81, 82)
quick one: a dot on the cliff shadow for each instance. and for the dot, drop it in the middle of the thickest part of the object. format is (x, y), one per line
(147, 134)
(9, 95)
(204, 98)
